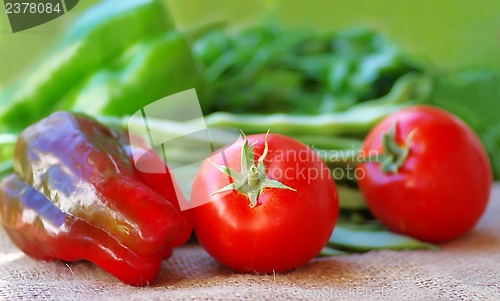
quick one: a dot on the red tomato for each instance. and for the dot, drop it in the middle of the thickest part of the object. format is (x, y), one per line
(295, 210)
(441, 189)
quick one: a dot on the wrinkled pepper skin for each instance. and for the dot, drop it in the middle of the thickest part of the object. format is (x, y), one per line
(76, 195)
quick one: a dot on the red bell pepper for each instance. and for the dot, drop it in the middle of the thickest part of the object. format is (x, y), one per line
(76, 195)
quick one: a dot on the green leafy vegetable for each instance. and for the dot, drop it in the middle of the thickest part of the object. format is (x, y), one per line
(267, 68)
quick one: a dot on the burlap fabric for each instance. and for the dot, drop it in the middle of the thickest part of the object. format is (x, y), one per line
(464, 269)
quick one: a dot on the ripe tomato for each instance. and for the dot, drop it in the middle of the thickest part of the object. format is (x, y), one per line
(434, 178)
(265, 215)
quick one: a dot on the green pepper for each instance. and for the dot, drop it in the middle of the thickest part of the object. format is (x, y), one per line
(146, 72)
(98, 36)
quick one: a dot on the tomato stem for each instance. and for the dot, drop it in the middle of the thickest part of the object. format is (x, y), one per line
(394, 155)
(252, 179)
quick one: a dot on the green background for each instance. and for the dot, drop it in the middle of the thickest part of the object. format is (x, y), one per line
(450, 34)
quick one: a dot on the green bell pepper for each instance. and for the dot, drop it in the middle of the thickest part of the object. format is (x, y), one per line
(98, 36)
(146, 72)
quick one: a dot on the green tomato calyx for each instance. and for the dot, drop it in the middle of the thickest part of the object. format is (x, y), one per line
(394, 155)
(253, 179)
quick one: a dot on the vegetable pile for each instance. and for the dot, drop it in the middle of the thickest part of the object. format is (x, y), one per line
(353, 145)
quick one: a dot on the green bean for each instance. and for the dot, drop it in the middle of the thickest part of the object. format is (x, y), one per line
(218, 137)
(344, 238)
(350, 198)
(357, 120)
(328, 252)
(370, 225)
(341, 151)
(329, 142)
(354, 121)
(411, 86)
(341, 157)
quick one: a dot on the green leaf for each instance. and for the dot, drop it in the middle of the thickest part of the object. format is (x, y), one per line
(271, 183)
(367, 225)
(491, 140)
(228, 171)
(474, 96)
(247, 155)
(228, 187)
(362, 241)
(350, 198)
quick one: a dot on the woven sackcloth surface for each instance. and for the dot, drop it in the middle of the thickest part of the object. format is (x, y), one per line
(464, 269)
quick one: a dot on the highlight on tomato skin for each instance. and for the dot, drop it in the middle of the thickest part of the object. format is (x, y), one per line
(434, 178)
(269, 204)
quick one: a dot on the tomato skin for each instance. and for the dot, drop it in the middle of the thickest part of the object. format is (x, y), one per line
(286, 229)
(443, 187)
